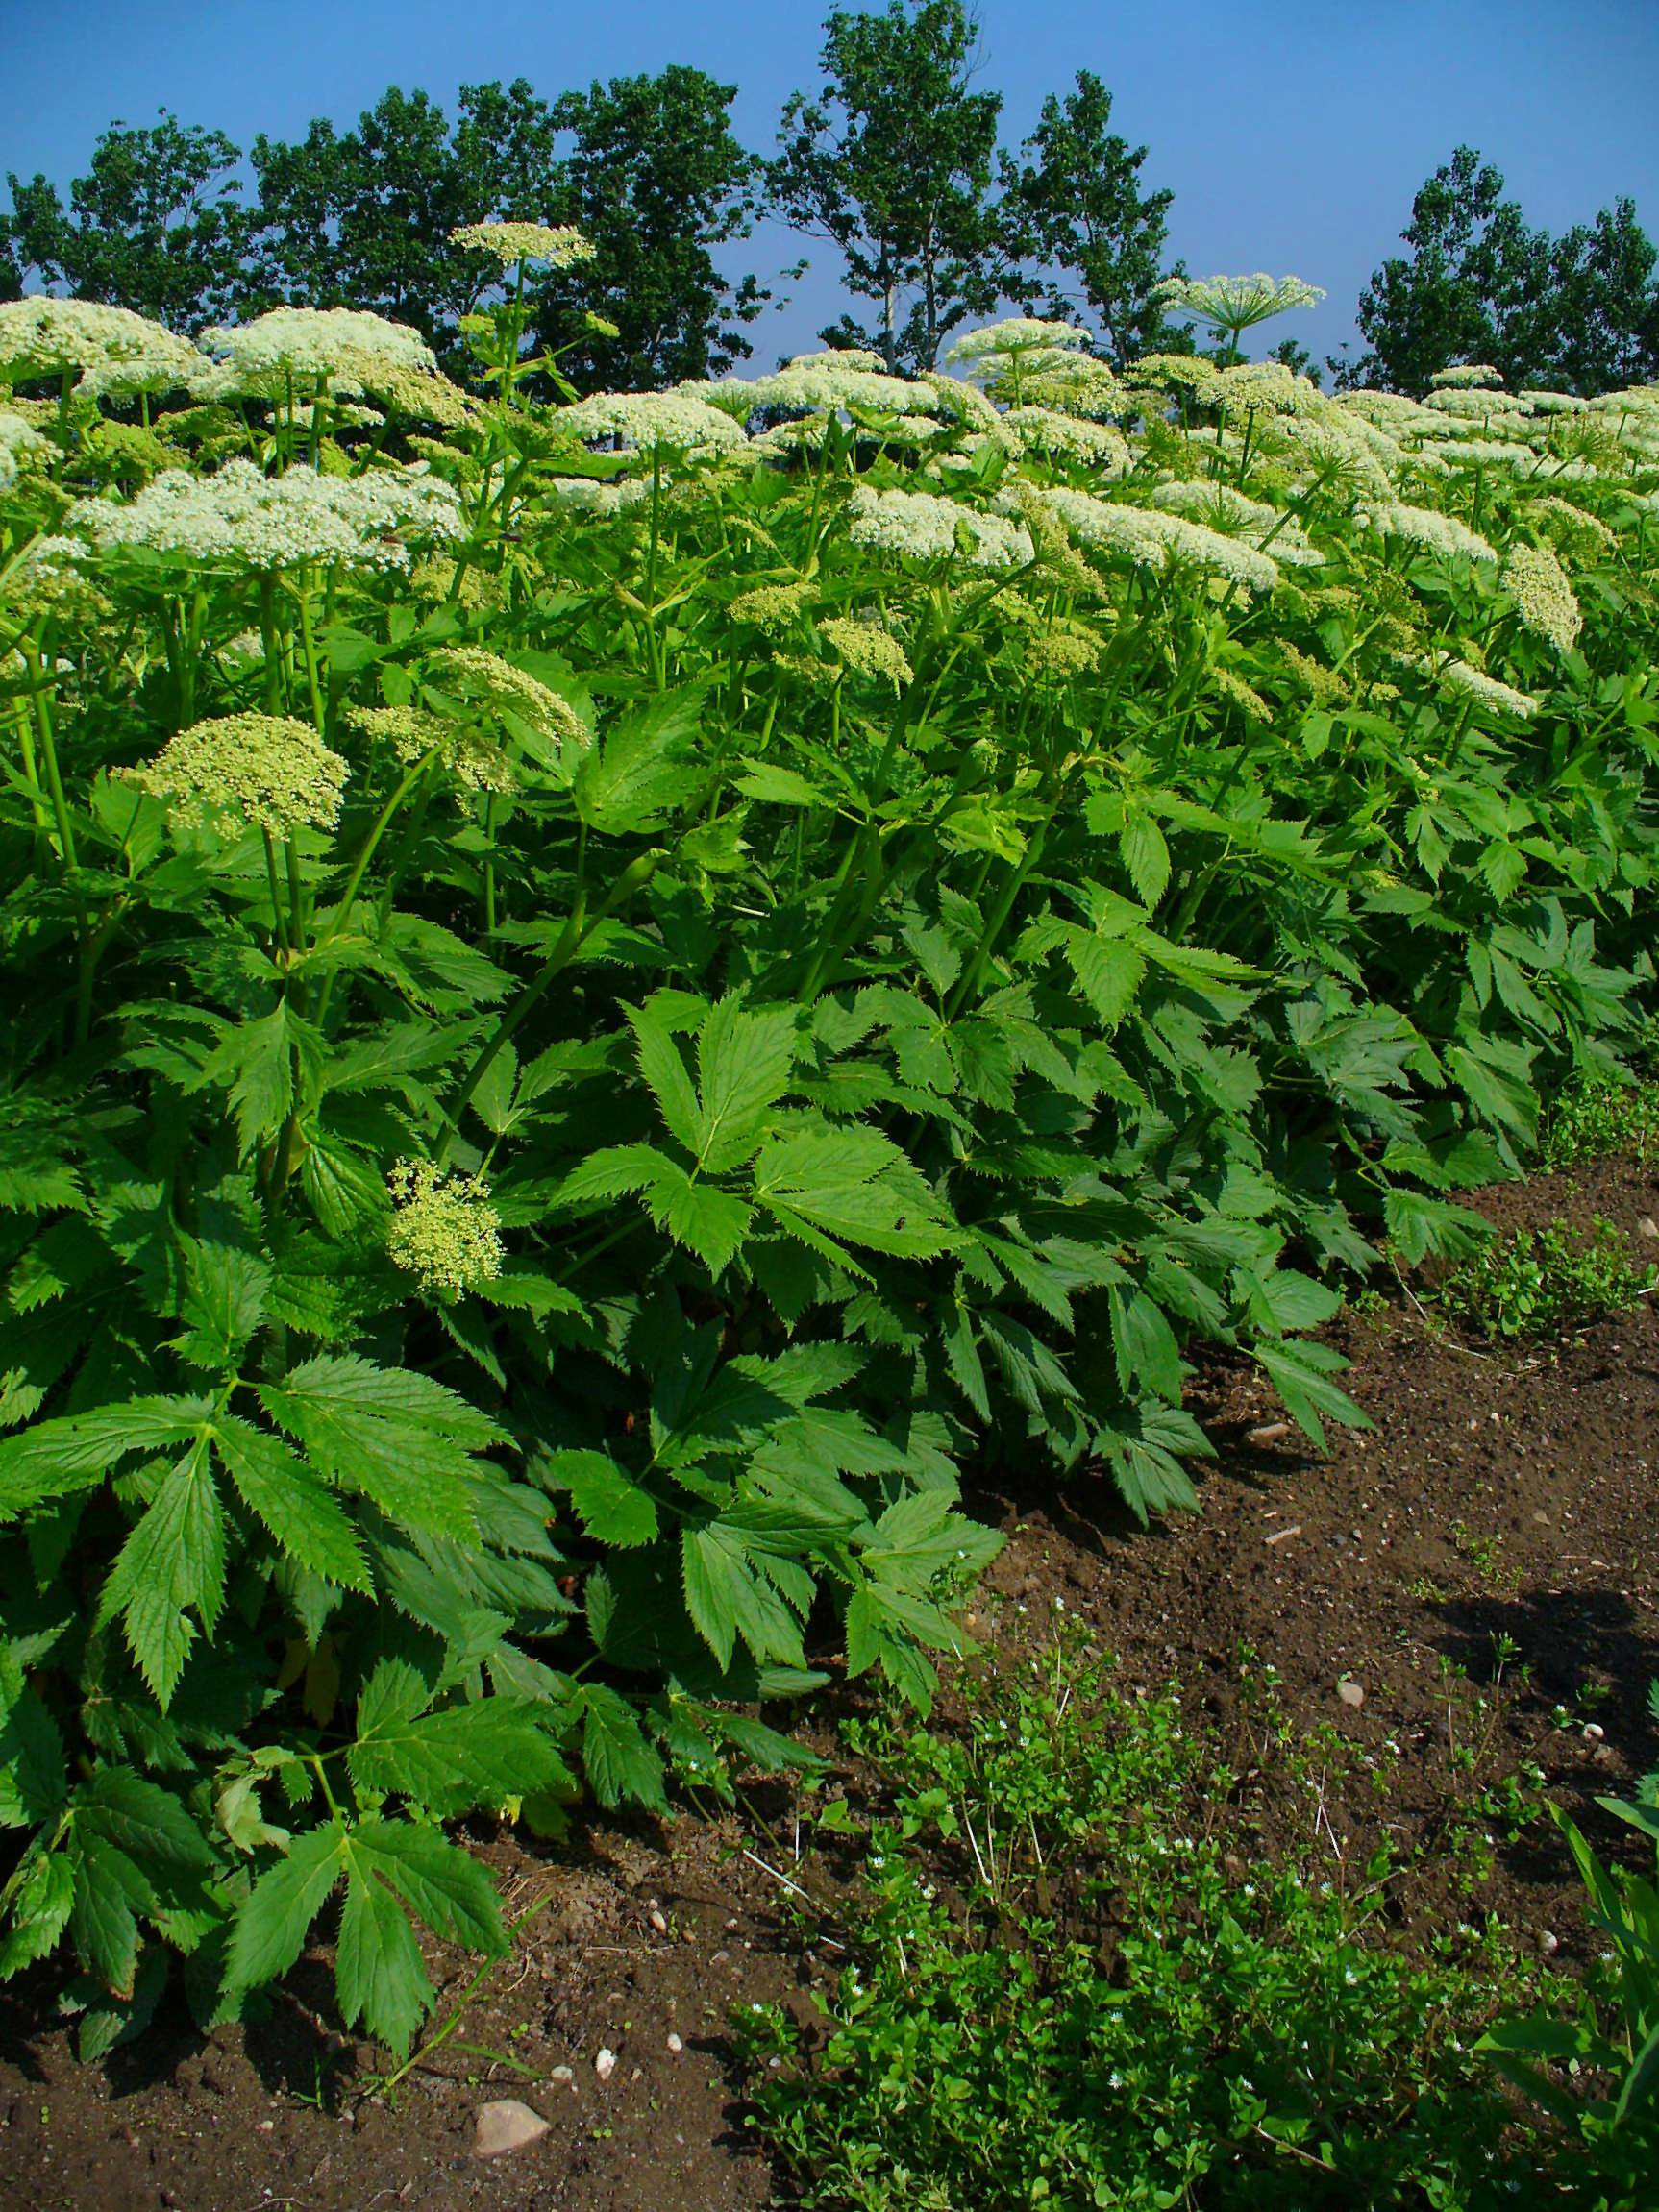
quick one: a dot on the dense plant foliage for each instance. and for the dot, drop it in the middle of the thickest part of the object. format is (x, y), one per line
(595, 997)
(1074, 1978)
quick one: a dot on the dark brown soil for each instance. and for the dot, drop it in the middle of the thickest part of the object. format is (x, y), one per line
(1498, 1496)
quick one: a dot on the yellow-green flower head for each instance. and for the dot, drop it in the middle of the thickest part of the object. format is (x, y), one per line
(1537, 582)
(1466, 374)
(1427, 526)
(444, 1231)
(258, 522)
(1250, 702)
(650, 420)
(1156, 540)
(484, 677)
(927, 528)
(869, 649)
(248, 770)
(471, 757)
(1583, 535)
(115, 352)
(560, 245)
(770, 607)
(1062, 655)
(1237, 303)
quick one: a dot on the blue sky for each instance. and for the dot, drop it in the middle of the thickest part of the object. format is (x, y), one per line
(1293, 132)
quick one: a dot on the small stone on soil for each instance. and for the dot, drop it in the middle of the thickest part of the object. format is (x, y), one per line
(604, 2065)
(1350, 1692)
(505, 2125)
(676, 2046)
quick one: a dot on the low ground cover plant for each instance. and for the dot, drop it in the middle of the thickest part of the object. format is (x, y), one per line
(598, 994)
(1075, 1979)
(1537, 1281)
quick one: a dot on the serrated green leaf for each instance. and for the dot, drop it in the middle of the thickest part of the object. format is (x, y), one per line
(613, 1508)
(283, 1494)
(174, 1560)
(275, 1917)
(225, 1293)
(380, 1976)
(621, 1765)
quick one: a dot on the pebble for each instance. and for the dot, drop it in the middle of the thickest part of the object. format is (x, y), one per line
(1648, 1226)
(1543, 1519)
(1594, 1732)
(505, 2125)
(1269, 1433)
(1350, 1692)
(604, 2065)
(660, 1922)
(1548, 1943)
(562, 2074)
(674, 2046)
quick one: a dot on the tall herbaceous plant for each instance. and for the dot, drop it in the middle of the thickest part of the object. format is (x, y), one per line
(600, 996)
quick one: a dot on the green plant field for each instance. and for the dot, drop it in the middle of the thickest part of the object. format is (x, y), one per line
(602, 993)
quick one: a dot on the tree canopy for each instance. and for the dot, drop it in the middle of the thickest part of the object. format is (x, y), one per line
(1481, 283)
(893, 162)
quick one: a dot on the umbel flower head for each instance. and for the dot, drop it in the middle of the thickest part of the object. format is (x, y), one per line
(869, 649)
(472, 758)
(650, 418)
(248, 770)
(261, 522)
(22, 446)
(559, 245)
(332, 344)
(1466, 372)
(928, 527)
(1231, 304)
(1538, 583)
(444, 1230)
(115, 352)
(484, 675)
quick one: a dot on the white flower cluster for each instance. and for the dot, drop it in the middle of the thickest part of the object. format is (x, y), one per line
(558, 245)
(1220, 506)
(1427, 526)
(1237, 303)
(1069, 438)
(1154, 539)
(1503, 698)
(650, 418)
(826, 383)
(337, 345)
(114, 353)
(1477, 403)
(1555, 403)
(1017, 334)
(22, 446)
(269, 523)
(928, 527)
(591, 497)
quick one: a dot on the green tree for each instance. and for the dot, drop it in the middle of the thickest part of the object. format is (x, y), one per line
(362, 218)
(1074, 207)
(656, 180)
(1481, 283)
(155, 225)
(893, 164)
(1605, 302)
